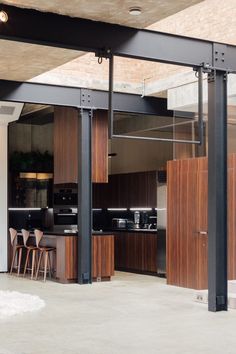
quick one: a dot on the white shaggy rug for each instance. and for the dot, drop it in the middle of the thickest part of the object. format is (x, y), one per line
(13, 303)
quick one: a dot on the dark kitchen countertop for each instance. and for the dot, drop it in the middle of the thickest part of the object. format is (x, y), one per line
(98, 233)
(148, 231)
(61, 233)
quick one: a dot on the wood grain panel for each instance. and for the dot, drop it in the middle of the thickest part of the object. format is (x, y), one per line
(136, 251)
(120, 250)
(100, 147)
(173, 224)
(150, 253)
(127, 190)
(67, 257)
(103, 256)
(187, 193)
(201, 241)
(66, 146)
(71, 254)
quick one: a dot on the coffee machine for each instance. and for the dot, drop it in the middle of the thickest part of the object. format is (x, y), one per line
(137, 219)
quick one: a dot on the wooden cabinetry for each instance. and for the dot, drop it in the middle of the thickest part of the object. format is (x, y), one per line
(187, 240)
(127, 190)
(103, 257)
(136, 251)
(66, 146)
(67, 255)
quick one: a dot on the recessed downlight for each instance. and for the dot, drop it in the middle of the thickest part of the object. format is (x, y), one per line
(135, 11)
(3, 16)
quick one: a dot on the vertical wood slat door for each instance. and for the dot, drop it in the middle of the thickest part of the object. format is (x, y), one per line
(202, 226)
(187, 255)
(173, 218)
(188, 225)
(187, 209)
(191, 222)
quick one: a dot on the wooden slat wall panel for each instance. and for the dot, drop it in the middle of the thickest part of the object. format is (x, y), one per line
(96, 254)
(127, 190)
(66, 146)
(191, 227)
(71, 257)
(136, 251)
(150, 253)
(103, 256)
(100, 147)
(202, 240)
(134, 247)
(120, 250)
(172, 240)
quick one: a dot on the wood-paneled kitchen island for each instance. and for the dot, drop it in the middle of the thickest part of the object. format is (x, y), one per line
(66, 257)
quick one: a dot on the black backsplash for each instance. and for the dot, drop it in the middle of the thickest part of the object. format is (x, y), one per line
(27, 219)
(102, 219)
(42, 219)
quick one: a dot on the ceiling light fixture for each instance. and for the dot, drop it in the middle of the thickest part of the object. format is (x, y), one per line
(3, 16)
(135, 11)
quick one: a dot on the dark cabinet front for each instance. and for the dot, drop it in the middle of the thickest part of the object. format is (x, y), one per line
(136, 251)
(126, 191)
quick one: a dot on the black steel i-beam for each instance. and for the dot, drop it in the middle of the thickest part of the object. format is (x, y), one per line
(84, 196)
(217, 191)
(31, 26)
(30, 92)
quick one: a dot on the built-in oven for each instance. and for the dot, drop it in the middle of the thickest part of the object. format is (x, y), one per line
(65, 196)
(65, 217)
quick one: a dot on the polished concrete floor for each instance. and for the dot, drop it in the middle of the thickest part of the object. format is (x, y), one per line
(133, 314)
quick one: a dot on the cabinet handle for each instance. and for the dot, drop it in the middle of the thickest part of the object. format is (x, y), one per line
(61, 214)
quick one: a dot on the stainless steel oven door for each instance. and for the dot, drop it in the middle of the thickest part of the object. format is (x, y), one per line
(65, 219)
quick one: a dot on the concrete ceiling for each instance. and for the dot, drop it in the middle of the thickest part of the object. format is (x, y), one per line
(116, 11)
(21, 61)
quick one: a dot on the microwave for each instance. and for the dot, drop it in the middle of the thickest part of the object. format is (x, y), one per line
(65, 217)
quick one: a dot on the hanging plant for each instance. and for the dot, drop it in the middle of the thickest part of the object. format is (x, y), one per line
(33, 161)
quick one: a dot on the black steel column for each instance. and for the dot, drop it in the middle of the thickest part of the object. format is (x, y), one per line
(217, 191)
(84, 196)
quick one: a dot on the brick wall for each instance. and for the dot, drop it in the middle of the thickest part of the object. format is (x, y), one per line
(210, 19)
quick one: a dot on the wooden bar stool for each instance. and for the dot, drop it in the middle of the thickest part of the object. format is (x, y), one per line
(17, 250)
(30, 249)
(43, 251)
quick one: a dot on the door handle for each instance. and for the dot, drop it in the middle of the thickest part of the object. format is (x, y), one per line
(202, 232)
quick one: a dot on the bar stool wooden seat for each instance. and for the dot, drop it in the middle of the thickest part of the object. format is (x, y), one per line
(17, 250)
(43, 251)
(30, 249)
